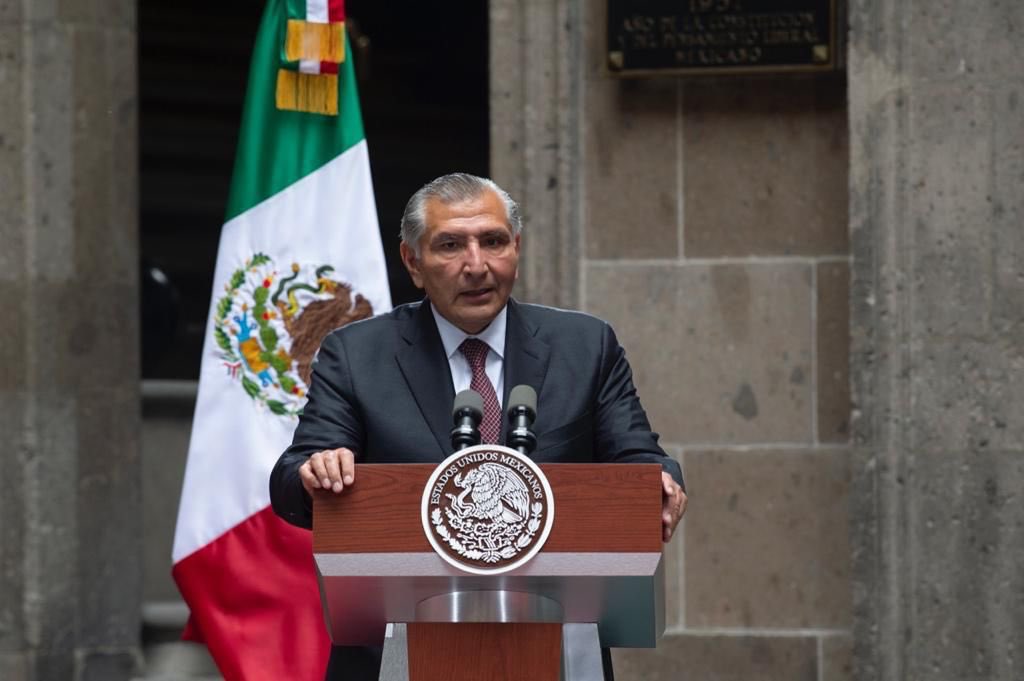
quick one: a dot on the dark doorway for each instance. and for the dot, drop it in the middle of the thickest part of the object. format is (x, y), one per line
(423, 71)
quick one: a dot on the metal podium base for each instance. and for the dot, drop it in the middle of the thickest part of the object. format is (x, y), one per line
(394, 663)
(581, 653)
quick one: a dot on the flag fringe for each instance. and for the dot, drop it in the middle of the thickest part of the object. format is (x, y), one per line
(309, 92)
(315, 41)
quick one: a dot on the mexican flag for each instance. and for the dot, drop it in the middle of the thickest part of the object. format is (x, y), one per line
(300, 254)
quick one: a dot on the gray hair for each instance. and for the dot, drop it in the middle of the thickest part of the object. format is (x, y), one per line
(452, 188)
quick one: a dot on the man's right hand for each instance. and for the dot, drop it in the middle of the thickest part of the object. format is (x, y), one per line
(331, 469)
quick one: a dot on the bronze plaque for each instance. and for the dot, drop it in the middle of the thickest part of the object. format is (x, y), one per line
(654, 37)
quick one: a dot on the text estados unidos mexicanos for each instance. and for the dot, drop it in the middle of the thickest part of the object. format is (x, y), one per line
(481, 457)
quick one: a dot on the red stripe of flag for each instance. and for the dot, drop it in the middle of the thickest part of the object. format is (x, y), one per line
(255, 601)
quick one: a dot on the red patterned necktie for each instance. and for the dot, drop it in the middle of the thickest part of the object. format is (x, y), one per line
(476, 351)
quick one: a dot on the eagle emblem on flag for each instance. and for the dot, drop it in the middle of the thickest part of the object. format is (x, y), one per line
(269, 324)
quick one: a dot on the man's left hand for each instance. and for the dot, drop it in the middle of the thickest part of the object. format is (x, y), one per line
(673, 505)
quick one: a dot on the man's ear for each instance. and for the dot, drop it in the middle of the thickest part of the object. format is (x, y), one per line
(412, 263)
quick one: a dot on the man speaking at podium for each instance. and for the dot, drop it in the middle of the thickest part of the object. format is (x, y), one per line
(382, 389)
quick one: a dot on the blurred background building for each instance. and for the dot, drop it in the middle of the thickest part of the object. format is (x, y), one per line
(818, 279)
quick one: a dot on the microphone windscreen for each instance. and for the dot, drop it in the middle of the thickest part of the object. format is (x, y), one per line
(468, 399)
(522, 396)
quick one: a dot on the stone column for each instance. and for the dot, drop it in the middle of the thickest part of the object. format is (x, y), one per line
(937, 321)
(69, 361)
(536, 74)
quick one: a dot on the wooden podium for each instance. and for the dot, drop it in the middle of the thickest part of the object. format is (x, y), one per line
(597, 581)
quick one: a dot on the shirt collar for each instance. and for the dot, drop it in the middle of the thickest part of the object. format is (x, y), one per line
(452, 336)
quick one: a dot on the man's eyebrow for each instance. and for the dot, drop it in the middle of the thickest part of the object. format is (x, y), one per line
(441, 236)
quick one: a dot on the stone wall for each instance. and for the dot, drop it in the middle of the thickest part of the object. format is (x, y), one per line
(936, 210)
(69, 376)
(167, 409)
(706, 219)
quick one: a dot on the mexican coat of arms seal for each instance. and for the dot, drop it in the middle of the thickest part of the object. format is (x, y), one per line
(487, 509)
(269, 323)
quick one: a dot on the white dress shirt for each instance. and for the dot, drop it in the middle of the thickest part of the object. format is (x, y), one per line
(494, 335)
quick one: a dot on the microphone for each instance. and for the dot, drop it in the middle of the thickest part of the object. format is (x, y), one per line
(467, 411)
(522, 411)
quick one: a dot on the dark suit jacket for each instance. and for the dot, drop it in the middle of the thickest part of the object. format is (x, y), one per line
(383, 388)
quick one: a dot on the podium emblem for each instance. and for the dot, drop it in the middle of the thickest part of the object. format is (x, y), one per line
(487, 509)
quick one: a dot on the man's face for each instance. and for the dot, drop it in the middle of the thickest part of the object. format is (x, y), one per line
(468, 260)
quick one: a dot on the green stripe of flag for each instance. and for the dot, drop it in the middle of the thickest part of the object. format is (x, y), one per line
(277, 148)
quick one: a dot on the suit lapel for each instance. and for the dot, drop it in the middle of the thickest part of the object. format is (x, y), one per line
(526, 356)
(425, 368)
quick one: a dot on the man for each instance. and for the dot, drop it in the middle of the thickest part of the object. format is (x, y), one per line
(382, 389)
